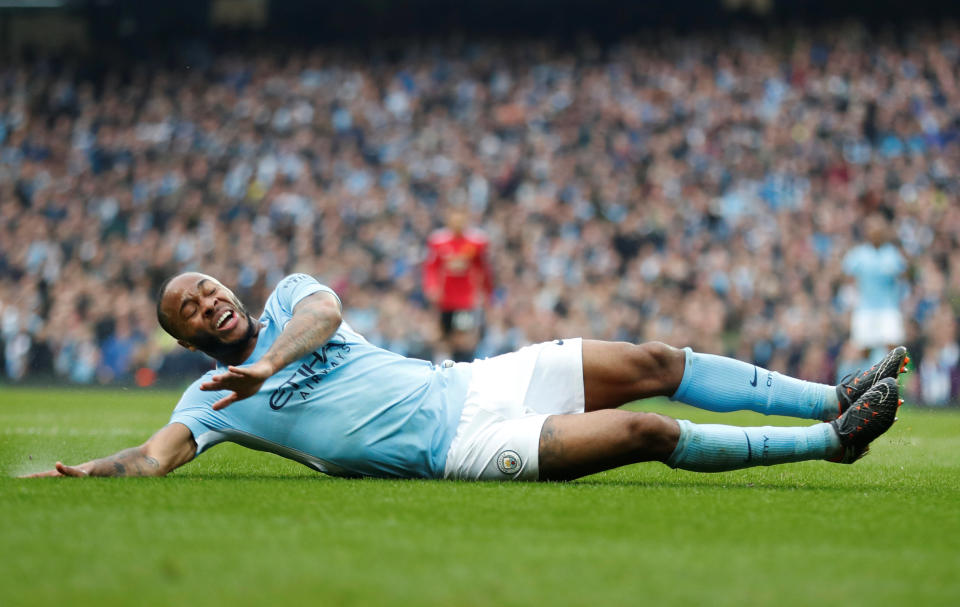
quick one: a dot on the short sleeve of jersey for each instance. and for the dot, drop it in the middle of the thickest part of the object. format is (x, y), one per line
(851, 261)
(289, 293)
(195, 411)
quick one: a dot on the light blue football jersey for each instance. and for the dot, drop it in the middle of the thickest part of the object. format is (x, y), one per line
(877, 271)
(347, 409)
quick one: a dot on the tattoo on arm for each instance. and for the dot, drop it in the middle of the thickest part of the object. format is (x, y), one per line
(310, 328)
(129, 462)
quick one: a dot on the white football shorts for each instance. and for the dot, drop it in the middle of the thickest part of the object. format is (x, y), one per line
(508, 399)
(876, 328)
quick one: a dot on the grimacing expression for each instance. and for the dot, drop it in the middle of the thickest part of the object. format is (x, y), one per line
(205, 315)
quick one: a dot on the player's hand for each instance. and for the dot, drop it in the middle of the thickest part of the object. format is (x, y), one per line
(242, 381)
(60, 470)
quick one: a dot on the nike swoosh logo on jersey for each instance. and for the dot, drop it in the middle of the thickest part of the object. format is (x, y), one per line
(754, 382)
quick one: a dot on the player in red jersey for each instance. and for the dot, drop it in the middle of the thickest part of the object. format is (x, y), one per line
(458, 280)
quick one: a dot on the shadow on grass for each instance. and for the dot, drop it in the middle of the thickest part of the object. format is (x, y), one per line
(252, 476)
(584, 484)
(217, 476)
(753, 486)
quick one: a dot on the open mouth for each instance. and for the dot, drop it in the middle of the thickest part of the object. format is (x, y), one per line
(227, 320)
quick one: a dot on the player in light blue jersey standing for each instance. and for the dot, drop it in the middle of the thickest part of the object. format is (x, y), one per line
(299, 382)
(876, 265)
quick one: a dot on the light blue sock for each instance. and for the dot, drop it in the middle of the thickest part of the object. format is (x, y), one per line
(717, 383)
(716, 448)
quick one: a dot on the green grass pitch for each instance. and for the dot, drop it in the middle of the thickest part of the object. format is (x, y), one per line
(238, 527)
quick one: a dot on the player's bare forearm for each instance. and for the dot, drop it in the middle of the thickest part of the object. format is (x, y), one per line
(129, 462)
(170, 447)
(314, 322)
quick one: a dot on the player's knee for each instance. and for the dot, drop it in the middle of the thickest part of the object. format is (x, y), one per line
(652, 434)
(660, 364)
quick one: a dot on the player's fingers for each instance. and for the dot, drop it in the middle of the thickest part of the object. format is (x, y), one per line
(45, 473)
(213, 384)
(239, 372)
(248, 372)
(226, 401)
(70, 470)
(63, 469)
(220, 382)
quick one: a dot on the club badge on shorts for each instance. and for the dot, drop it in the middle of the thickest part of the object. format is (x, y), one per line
(509, 462)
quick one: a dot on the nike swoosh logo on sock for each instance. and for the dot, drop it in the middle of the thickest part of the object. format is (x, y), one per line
(754, 382)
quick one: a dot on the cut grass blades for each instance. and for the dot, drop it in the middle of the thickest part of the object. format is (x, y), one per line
(240, 527)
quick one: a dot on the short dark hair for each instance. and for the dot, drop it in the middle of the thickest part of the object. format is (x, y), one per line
(161, 317)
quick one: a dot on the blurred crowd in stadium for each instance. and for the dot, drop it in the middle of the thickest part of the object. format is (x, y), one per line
(699, 190)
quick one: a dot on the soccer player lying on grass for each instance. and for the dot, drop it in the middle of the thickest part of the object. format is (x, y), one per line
(299, 382)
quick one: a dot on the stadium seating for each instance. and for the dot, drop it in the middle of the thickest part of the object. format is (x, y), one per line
(687, 189)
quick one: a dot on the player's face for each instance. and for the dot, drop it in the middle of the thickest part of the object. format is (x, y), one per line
(456, 220)
(207, 316)
(876, 230)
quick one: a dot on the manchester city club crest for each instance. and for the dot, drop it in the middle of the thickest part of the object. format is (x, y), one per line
(509, 462)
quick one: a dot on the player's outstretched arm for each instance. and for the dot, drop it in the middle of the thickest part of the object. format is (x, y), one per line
(315, 319)
(171, 447)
